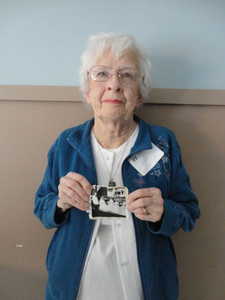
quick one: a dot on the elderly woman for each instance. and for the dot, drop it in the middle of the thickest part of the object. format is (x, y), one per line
(111, 258)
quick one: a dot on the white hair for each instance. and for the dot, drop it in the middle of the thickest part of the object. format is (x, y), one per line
(118, 45)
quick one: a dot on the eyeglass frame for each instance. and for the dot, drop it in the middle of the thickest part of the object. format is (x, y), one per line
(141, 76)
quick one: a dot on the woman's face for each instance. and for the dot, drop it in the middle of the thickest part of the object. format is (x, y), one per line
(113, 100)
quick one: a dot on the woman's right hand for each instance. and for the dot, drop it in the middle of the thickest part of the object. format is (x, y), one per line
(74, 190)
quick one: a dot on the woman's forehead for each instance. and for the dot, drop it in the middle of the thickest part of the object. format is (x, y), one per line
(108, 58)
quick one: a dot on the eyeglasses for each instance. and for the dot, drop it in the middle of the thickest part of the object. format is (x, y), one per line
(127, 75)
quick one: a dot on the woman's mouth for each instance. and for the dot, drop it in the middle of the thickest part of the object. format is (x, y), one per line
(113, 101)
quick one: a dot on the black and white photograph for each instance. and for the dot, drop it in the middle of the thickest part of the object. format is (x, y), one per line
(108, 202)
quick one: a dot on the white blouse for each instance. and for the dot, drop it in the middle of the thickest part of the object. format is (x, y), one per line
(111, 269)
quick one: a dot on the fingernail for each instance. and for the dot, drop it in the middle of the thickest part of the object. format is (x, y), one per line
(86, 198)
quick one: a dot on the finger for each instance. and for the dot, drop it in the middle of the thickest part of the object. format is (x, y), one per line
(84, 183)
(139, 204)
(73, 198)
(156, 212)
(141, 210)
(74, 184)
(143, 217)
(77, 192)
(83, 207)
(147, 207)
(65, 192)
(150, 217)
(62, 203)
(67, 202)
(70, 196)
(142, 193)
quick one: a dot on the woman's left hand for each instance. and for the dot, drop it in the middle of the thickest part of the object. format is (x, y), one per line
(146, 204)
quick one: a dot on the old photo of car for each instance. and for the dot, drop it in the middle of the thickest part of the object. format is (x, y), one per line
(108, 202)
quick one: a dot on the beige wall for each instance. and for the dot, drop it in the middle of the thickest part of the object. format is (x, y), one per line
(27, 130)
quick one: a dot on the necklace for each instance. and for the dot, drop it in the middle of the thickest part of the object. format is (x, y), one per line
(111, 176)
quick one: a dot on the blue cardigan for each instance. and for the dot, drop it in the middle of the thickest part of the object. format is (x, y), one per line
(67, 252)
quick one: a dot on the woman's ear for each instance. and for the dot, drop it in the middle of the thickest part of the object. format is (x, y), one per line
(139, 100)
(88, 98)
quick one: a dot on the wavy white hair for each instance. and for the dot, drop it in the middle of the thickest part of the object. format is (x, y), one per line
(118, 44)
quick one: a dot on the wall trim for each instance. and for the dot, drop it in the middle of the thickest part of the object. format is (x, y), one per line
(71, 93)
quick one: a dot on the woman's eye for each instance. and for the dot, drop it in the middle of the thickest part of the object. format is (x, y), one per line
(101, 74)
(127, 74)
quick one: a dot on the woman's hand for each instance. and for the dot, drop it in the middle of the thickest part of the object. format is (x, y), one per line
(74, 190)
(146, 204)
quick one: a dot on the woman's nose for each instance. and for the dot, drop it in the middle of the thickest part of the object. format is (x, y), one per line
(114, 83)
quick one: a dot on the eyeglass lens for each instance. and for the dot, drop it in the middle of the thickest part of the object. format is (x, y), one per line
(103, 73)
